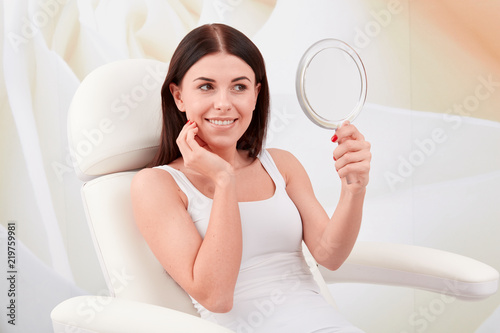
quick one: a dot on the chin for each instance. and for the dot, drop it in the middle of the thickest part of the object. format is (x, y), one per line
(220, 142)
(222, 145)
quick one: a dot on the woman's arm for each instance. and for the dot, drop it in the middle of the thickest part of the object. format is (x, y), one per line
(330, 240)
(207, 268)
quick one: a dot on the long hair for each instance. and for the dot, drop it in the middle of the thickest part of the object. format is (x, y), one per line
(204, 40)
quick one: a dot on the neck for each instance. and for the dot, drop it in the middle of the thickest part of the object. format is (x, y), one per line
(237, 158)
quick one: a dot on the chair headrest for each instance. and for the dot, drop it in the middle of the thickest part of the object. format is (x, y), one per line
(114, 120)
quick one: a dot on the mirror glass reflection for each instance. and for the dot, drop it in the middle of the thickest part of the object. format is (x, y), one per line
(332, 84)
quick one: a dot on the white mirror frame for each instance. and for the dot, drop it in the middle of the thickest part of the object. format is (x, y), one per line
(304, 63)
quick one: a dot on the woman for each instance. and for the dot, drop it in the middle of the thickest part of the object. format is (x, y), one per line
(226, 218)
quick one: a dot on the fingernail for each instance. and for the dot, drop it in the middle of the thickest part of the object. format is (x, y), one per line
(334, 158)
(334, 138)
(187, 122)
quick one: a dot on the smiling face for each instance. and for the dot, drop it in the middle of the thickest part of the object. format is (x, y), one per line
(219, 93)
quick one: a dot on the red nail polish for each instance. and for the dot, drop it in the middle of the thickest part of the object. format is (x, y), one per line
(334, 158)
(187, 122)
(334, 138)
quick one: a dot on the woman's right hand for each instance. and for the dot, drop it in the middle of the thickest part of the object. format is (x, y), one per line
(206, 268)
(198, 156)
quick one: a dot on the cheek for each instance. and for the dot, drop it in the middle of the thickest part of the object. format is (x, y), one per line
(247, 105)
(196, 107)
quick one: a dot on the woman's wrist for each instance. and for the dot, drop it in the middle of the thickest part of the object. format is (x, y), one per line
(348, 193)
(225, 178)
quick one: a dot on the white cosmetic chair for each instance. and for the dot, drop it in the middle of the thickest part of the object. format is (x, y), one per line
(114, 125)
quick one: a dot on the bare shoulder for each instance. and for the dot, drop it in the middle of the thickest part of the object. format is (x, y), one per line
(288, 165)
(155, 183)
(149, 178)
(281, 156)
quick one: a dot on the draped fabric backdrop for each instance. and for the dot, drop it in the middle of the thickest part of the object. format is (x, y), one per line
(432, 116)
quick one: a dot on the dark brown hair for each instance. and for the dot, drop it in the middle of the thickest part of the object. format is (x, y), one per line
(202, 41)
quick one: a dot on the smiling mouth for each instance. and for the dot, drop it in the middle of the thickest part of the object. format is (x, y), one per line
(221, 122)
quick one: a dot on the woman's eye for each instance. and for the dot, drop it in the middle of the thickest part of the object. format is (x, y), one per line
(240, 87)
(205, 87)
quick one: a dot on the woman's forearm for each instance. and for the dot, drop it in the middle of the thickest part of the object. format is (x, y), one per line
(341, 232)
(218, 261)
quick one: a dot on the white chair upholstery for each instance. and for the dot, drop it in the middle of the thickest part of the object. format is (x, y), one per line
(114, 125)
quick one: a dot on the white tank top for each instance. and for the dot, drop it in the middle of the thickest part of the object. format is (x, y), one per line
(275, 290)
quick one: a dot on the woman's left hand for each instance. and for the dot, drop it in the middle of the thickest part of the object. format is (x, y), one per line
(352, 157)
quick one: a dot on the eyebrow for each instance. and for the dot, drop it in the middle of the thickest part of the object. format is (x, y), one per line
(201, 78)
(240, 78)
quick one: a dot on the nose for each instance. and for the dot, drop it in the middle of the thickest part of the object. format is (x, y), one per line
(222, 101)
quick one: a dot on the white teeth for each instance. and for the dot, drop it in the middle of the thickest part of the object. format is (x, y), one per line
(221, 122)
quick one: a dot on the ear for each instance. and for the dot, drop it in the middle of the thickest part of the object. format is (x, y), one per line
(175, 90)
(257, 90)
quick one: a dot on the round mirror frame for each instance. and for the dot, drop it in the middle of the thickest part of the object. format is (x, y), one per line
(306, 59)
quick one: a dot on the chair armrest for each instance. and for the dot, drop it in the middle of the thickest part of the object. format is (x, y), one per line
(416, 267)
(108, 314)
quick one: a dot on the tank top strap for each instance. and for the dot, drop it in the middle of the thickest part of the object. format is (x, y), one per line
(199, 206)
(268, 163)
(182, 181)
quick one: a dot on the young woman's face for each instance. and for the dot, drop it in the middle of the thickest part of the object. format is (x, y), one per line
(219, 93)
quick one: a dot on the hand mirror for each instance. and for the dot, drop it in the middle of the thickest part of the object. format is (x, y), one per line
(331, 83)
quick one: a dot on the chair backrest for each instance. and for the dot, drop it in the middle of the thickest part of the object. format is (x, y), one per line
(114, 125)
